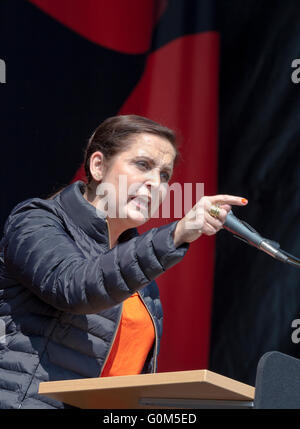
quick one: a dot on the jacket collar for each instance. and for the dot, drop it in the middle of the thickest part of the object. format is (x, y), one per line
(86, 215)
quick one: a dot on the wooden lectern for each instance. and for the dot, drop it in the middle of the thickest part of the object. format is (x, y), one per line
(182, 389)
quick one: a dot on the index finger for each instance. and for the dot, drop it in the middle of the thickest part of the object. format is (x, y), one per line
(228, 199)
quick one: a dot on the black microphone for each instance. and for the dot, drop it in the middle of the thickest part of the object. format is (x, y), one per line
(240, 229)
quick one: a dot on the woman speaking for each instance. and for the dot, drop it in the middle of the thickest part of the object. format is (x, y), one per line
(77, 282)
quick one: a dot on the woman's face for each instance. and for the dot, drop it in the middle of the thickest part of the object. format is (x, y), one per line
(134, 180)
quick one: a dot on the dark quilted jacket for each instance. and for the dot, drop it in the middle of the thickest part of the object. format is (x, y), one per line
(62, 288)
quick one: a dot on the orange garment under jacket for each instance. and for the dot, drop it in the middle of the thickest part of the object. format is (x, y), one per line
(133, 341)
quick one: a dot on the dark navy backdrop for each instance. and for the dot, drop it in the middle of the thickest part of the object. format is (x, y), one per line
(257, 298)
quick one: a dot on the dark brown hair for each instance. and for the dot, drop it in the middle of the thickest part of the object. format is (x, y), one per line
(112, 136)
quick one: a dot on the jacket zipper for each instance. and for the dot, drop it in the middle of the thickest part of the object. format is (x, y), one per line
(108, 232)
(119, 318)
(155, 330)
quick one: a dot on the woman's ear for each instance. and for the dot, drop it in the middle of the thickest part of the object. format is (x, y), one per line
(97, 167)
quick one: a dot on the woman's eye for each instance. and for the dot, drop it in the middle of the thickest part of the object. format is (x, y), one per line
(142, 164)
(165, 177)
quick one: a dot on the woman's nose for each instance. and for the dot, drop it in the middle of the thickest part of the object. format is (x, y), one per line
(153, 178)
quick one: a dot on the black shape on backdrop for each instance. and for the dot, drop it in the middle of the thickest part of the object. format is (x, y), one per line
(182, 18)
(256, 298)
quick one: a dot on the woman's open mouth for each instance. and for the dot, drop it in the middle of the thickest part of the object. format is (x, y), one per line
(141, 202)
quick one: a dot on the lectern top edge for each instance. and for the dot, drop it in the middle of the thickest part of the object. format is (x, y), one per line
(123, 381)
(132, 381)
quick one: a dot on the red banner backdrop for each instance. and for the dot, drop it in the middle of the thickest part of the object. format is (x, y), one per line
(179, 88)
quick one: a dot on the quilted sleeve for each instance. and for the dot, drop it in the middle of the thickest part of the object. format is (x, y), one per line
(41, 255)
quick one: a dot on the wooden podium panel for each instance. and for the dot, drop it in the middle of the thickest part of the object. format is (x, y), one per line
(159, 390)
